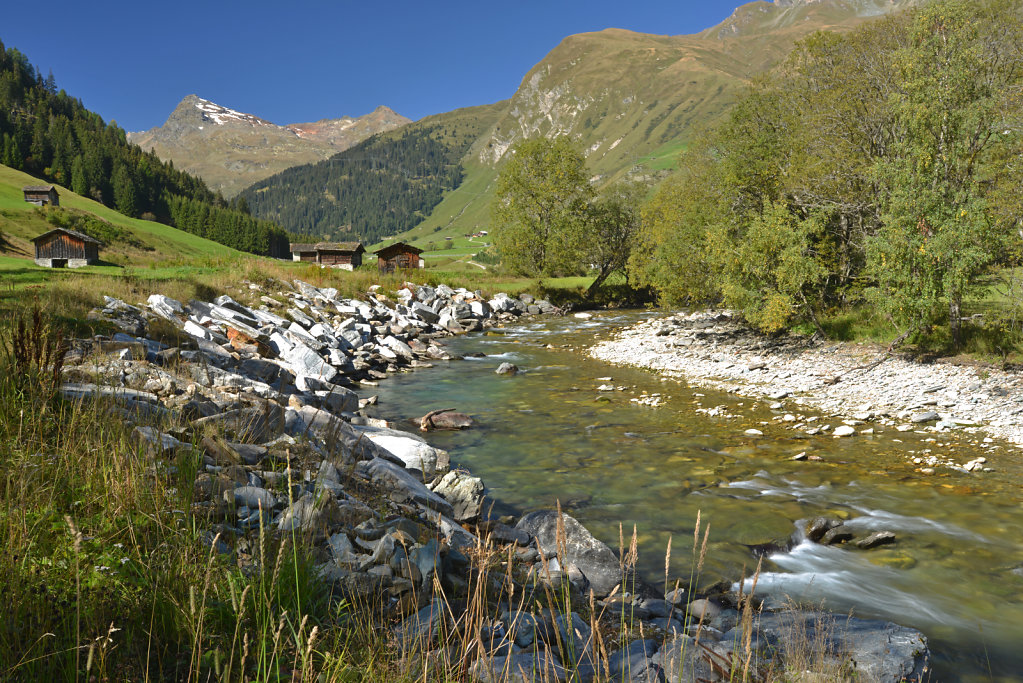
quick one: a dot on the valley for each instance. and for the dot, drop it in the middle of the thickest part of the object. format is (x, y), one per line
(712, 373)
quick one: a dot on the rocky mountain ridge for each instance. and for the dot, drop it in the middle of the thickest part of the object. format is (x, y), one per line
(623, 95)
(230, 149)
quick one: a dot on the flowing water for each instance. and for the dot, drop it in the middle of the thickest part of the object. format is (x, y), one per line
(549, 434)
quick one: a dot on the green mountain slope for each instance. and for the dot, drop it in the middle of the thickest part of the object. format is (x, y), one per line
(128, 241)
(632, 100)
(51, 135)
(629, 100)
(384, 185)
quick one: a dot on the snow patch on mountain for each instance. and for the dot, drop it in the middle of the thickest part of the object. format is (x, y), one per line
(219, 115)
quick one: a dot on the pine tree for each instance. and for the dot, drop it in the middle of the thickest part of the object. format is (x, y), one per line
(124, 191)
(79, 183)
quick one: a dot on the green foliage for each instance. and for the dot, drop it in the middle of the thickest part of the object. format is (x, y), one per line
(776, 268)
(670, 252)
(380, 187)
(939, 234)
(612, 221)
(548, 219)
(874, 165)
(540, 207)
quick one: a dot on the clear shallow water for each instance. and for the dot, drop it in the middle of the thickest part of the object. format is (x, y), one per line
(549, 435)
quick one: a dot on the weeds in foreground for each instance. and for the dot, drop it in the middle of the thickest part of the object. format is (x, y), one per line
(109, 571)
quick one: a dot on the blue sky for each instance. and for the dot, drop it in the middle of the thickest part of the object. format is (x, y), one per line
(303, 61)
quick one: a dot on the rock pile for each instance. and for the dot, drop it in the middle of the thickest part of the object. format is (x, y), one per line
(264, 395)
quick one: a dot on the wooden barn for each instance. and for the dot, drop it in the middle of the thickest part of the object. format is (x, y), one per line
(345, 255)
(398, 256)
(303, 252)
(61, 247)
(41, 195)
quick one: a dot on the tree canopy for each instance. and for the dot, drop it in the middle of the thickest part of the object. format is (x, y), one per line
(864, 169)
(540, 207)
(549, 220)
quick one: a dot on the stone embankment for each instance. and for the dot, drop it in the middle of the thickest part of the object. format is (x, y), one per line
(713, 350)
(264, 394)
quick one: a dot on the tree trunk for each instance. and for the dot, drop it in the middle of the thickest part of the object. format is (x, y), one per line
(595, 285)
(955, 320)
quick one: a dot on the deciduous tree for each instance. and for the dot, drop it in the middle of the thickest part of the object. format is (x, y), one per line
(540, 207)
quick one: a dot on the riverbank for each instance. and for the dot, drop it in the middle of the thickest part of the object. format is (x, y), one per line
(232, 479)
(856, 384)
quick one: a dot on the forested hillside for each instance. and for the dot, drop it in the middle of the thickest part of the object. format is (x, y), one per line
(51, 135)
(880, 166)
(382, 186)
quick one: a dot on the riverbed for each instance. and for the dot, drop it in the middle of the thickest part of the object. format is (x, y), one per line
(624, 446)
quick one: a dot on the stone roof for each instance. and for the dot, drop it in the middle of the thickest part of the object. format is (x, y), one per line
(73, 233)
(327, 246)
(339, 246)
(397, 248)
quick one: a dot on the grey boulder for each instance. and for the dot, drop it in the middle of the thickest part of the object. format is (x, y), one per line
(596, 560)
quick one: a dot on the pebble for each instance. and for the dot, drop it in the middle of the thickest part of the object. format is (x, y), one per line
(844, 430)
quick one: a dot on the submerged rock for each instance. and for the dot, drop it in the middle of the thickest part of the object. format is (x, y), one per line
(876, 539)
(444, 419)
(819, 526)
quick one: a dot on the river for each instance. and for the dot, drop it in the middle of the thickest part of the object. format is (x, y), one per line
(551, 434)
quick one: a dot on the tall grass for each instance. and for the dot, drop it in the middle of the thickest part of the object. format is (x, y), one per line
(110, 571)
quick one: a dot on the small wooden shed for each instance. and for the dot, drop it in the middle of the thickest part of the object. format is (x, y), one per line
(62, 247)
(398, 256)
(303, 252)
(41, 195)
(345, 255)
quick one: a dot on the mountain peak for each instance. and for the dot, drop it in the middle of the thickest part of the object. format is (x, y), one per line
(230, 149)
(220, 115)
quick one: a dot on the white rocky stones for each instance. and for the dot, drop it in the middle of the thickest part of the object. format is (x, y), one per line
(165, 306)
(711, 350)
(409, 448)
(463, 491)
(844, 430)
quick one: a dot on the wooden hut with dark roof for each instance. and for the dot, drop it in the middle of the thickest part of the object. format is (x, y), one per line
(41, 195)
(345, 255)
(62, 247)
(398, 256)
